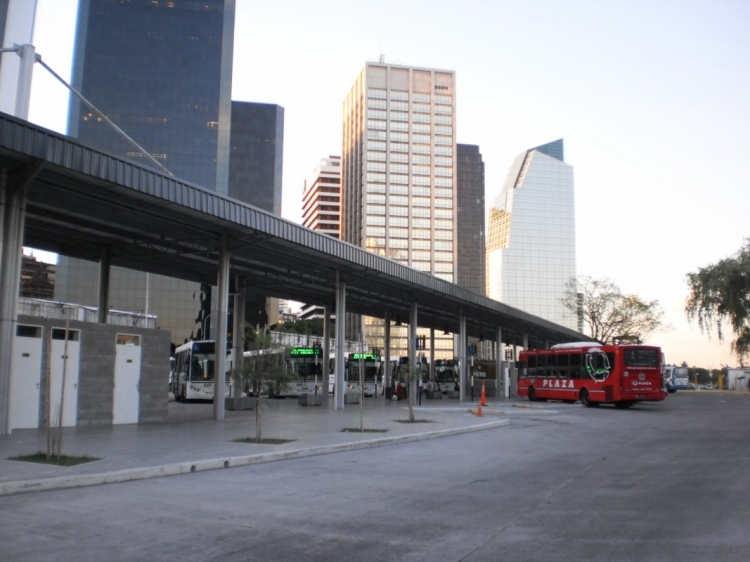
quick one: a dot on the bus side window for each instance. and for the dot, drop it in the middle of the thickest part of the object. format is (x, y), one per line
(524, 369)
(552, 366)
(531, 372)
(562, 366)
(541, 366)
(575, 366)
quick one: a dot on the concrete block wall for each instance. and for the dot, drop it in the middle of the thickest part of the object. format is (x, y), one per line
(97, 369)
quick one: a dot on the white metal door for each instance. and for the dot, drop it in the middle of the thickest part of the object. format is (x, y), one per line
(25, 378)
(125, 408)
(57, 364)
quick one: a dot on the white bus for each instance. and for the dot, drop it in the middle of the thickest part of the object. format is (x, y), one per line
(194, 371)
(372, 373)
(304, 362)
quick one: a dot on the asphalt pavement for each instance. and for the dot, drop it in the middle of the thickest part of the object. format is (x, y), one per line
(191, 441)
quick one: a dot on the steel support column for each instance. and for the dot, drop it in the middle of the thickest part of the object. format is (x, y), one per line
(12, 213)
(238, 339)
(412, 352)
(386, 352)
(432, 354)
(103, 298)
(222, 284)
(499, 378)
(462, 359)
(325, 367)
(339, 386)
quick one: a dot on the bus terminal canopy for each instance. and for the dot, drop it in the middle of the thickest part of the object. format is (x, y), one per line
(81, 201)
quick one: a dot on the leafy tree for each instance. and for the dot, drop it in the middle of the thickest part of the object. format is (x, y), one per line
(312, 326)
(264, 371)
(609, 314)
(720, 293)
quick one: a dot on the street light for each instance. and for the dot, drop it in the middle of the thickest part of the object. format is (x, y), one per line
(203, 325)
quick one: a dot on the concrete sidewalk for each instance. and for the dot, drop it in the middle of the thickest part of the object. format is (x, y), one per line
(191, 441)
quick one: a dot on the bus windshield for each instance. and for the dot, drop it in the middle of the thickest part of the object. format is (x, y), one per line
(642, 357)
(202, 369)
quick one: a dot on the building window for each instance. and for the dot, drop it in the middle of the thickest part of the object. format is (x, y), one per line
(376, 93)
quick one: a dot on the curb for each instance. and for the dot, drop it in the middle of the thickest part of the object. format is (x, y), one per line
(176, 469)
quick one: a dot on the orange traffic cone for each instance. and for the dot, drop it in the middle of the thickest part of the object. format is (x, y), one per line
(483, 397)
(479, 411)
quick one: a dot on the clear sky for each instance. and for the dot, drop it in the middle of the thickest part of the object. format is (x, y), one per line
(652, 98)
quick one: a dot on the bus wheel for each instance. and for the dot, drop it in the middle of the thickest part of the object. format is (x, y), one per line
(586, 401)
(532, 394)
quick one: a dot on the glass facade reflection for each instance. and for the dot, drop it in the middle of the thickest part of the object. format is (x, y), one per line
(531, 251)
(256, 156)
(155, 70)
(470, 258)
(398, 170)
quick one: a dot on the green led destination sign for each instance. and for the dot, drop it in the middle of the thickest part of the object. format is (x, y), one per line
(302, 351)
(364, 357)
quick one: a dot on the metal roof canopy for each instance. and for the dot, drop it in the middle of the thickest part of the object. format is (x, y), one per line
(80, 199)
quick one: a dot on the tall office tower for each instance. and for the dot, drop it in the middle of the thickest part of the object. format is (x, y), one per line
(162, 72)
(398, 196)
(321, 209)
(321, 199)
(531, 248)
(470, 258)
(255, 170)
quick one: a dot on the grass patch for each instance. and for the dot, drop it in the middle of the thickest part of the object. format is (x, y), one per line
(62, 460)
(263, 441)
(415, 421)
(365, 430)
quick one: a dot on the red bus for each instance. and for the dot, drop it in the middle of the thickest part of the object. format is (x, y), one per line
(592, 373)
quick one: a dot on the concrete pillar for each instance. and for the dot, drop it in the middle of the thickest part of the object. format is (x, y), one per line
(339, 387)
(103, 299)
(221, 329)
(12, 220)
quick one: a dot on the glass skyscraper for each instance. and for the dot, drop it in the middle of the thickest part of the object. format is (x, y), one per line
(162, 72)
(531, 247)
(398, 175)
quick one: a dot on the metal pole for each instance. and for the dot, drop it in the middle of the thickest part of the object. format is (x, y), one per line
(386, 353)
(23, 87)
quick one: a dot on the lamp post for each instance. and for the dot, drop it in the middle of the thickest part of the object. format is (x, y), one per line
(203, 325)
